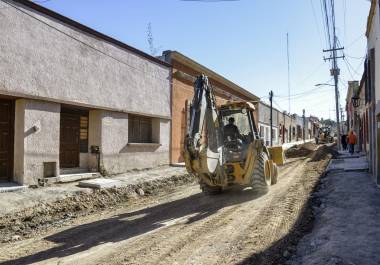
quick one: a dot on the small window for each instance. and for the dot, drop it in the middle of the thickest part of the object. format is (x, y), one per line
(139, 129)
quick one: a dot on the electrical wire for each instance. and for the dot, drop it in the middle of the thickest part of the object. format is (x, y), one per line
(316, 22)
(344, 19)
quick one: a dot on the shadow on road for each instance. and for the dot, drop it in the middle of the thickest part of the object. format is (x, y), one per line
(121, 227)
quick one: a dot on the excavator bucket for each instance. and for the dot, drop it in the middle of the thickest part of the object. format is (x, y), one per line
(277, 154)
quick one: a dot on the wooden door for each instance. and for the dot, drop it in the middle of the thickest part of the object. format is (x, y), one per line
(6, 139)
(69, 140)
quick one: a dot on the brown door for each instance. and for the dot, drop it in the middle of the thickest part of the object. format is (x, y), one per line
(6, 139)
(69, 140)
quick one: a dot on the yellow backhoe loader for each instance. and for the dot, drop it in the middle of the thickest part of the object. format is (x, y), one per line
(222, 146)
(324, 136)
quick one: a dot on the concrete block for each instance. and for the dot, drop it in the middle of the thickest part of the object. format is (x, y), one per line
(100, 183)
(75, 177)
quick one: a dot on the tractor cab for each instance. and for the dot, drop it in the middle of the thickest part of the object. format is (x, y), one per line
(238, 130)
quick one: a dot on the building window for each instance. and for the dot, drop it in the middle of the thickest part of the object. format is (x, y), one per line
(83, 134)
(274, 135)
(261, 131)
(139, 129)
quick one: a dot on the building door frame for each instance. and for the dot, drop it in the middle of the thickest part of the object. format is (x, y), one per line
(69, 144)
(10, 131)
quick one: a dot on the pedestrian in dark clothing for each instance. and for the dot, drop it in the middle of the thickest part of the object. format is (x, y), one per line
(344, 141)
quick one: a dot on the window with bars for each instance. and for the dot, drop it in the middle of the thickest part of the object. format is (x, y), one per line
(139, 129)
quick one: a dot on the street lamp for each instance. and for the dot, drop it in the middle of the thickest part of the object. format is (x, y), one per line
(355, 101)
(324, 84)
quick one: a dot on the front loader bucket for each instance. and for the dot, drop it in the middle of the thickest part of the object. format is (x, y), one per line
(277, 155)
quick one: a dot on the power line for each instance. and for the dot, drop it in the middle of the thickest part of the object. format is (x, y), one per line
(344, 20)
(298, 95)
(316, 22)
(349, 67)
(354, 57)
(355, 40)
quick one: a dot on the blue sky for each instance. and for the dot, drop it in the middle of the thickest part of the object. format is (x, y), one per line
(245, 40)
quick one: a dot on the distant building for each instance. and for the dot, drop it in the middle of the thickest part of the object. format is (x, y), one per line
(263, 110)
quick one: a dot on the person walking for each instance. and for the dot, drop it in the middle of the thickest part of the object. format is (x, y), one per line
(351, 141)
(343, 140)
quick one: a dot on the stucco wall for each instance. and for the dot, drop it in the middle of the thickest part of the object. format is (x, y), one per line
(36, 139)
(38, 61)
(118, 157)
(94, 136)
(18, 165)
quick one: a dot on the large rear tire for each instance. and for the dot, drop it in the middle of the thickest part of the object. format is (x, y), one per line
(210, 190)
(260, 182)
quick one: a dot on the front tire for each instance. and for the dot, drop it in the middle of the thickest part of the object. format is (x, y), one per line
(260, 180)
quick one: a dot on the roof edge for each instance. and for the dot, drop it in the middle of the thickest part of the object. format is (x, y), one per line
(170, 55)
(370, 17)
(88, 30)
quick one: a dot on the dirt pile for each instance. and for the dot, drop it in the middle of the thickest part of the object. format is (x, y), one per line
(324, 152)
(300, 150)
(26, 223)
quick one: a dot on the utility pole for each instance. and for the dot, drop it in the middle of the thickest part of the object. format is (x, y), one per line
(271, 117)
(287, 52)
(335, 71)
(283, 129)
(342, 119)
(304, 125)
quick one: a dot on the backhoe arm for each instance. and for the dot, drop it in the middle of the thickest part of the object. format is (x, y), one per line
(202, 143)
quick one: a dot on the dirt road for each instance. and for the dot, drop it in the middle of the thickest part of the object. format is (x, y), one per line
(184, 227)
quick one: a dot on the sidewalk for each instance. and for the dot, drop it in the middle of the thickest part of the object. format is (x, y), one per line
(347, 219)
(16, 201)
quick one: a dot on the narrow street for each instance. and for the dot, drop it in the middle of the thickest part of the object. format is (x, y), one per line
(184, 227)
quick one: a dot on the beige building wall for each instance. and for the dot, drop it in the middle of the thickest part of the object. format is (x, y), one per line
(48, 61)
(39, 61)
(36, 140)
(118, 155)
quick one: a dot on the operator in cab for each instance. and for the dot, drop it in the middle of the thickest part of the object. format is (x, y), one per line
(231, 131)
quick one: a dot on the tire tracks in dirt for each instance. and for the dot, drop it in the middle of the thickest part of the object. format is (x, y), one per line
(183, 227)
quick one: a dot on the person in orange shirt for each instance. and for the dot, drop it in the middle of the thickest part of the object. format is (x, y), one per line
(351, 141)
